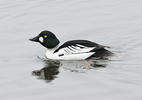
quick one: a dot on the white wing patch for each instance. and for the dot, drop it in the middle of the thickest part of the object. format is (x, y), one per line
(74, 49)
(82, 46)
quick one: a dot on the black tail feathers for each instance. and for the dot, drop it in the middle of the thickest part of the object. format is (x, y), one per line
(101, 54)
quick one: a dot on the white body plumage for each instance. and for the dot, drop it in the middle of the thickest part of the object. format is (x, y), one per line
(78, 52)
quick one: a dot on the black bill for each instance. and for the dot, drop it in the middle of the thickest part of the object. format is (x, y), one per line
(35, 39)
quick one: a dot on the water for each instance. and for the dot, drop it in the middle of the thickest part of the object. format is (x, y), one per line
(25, 75)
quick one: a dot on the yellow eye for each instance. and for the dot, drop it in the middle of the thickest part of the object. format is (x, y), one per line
(45, 36)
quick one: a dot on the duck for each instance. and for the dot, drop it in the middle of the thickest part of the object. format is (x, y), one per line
(70, 50)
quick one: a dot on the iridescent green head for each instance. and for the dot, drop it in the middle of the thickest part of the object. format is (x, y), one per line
(47, 39)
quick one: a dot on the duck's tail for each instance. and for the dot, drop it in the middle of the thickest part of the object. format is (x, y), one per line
(101, 54)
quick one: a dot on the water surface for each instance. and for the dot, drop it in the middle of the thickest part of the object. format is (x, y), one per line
(114, 23)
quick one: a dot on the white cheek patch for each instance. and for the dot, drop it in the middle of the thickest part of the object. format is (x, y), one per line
(41, 39)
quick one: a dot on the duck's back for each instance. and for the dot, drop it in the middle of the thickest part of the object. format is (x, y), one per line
(81, 44)
(81, 49)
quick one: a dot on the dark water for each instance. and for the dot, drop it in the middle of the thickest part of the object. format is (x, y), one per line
(26, 74)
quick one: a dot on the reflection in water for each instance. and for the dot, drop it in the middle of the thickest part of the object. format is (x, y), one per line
(84, 65)
(96, 63)
(49, 72)
(51, 68)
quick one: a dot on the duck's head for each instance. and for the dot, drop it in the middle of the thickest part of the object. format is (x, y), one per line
(47, 39)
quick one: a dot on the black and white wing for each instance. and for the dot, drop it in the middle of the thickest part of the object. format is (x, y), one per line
(77, 47)
(74, 50)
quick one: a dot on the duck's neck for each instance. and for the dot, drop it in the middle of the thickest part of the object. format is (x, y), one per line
(50, 53)
(52, 49)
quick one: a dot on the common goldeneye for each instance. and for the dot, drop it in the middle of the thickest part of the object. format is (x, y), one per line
(71, 50)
